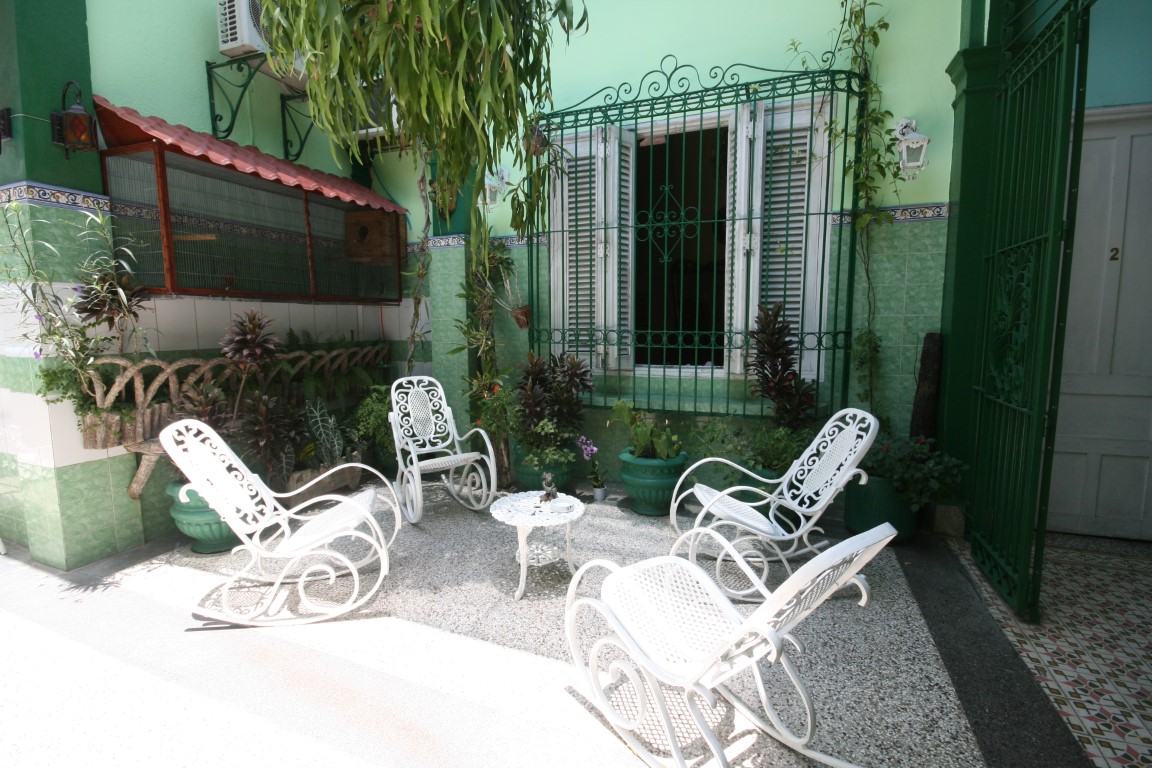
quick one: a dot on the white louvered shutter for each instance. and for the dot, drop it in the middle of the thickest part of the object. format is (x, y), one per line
(788, 237)
(620, 164)
(577, 234)
(783, 230)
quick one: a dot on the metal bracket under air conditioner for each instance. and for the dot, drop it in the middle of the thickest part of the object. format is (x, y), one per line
(231, 80)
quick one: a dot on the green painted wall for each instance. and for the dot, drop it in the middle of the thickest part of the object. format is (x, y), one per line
(626, 40)
(1119, 56)
(150, 55)
(42, 47)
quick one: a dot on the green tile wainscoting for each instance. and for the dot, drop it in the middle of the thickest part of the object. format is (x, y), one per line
(73, 515)
(908, 277)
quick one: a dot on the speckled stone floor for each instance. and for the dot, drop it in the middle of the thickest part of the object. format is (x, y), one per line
(445, 668)
(1092, 650)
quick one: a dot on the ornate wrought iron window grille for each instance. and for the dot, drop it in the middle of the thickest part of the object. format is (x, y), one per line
(676, 208)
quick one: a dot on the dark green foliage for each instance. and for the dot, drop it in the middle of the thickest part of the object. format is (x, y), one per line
(370, 422)
(248, 343)
(549, 396)
(917, 470)
(270, 430)
(774, 366)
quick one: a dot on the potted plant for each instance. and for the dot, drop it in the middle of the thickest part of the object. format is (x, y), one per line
(550, 415)
(589, 449)
(260, 428)
(652, 462)
(904, 474)
(370, 421)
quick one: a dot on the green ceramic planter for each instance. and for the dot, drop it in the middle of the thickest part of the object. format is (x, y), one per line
(199, 522)
(650, 482)
(867, 506)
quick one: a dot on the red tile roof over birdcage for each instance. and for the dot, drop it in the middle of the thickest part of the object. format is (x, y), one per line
(123, 126)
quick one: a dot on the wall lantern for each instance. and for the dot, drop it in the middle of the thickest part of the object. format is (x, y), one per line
(913, 148)
(72, 127)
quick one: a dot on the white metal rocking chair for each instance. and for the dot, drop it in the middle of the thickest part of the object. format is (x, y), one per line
(427, 442)
(662, 644)
(769, 518)
(314, 561)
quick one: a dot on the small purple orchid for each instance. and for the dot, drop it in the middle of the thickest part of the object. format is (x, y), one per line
(589, 449)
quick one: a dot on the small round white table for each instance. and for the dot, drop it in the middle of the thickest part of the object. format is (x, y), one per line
(526, 511)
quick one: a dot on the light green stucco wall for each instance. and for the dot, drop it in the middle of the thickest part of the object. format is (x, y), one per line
(627, 39)
(149, 55)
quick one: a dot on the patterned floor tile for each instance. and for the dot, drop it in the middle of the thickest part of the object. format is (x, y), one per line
(1090, 652)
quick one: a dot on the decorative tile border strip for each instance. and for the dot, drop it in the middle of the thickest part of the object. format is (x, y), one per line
(45, 194)
(928, 212)
(459, 241)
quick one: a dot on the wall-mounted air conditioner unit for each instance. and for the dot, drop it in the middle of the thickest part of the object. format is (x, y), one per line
(242, 34)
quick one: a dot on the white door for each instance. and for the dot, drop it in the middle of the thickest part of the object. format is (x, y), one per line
(1102, 466)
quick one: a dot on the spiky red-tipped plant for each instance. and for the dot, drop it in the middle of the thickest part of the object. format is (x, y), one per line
(249, 345)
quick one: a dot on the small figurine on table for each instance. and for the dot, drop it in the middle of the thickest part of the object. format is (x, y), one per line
(549, 488)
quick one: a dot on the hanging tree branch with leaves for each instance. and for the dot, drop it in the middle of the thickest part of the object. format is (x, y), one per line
(457, 78)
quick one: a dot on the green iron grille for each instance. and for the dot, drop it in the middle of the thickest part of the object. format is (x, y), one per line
(1022, 275)
(673, 215)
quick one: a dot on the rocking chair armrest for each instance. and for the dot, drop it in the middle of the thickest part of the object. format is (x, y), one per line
(354, 464)
(301, 511)
(692, 538)
(574, 585)
(678, 495)
(477, 431)
(782, 533)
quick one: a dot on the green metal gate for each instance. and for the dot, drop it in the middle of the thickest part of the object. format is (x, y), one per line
(1024, 277)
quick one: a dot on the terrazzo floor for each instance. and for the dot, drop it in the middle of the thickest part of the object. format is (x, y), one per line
(1092, 650)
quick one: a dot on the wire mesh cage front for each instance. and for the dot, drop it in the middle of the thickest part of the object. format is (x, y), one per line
(235, 234)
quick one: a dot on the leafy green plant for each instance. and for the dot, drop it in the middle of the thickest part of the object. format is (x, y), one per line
(917, 470)
(648, 439)
(269, 430)
(397, 67)
(875, 163)
(370, 421)
(65, 327)
(329, 441)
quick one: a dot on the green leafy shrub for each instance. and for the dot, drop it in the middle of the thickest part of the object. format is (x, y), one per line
(648, 439)
(917, 470)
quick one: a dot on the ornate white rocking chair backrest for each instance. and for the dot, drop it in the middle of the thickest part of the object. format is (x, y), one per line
(421, 416)
(829, 461)
(238, 495)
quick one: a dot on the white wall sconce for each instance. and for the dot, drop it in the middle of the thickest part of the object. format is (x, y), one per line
(913, 148)
(495, 185)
